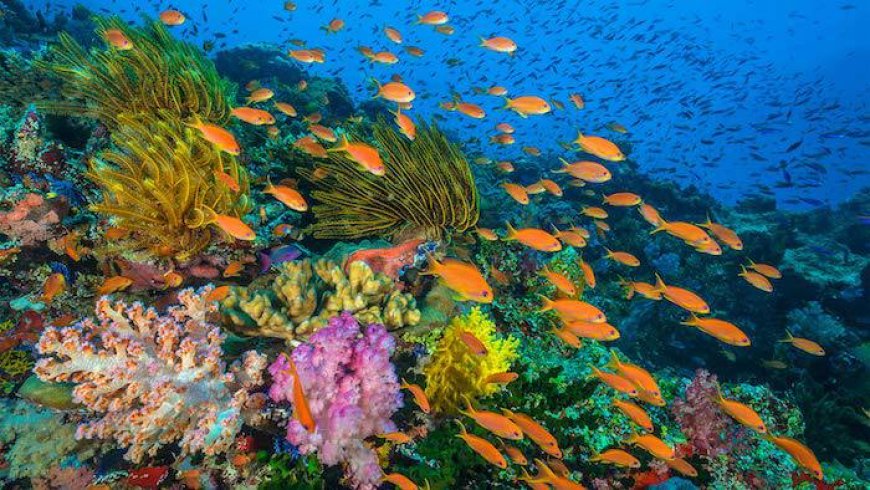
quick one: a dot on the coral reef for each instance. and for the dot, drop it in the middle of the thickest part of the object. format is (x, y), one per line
(455, 373)
(296, 305)
(63, 478)
(30, 150)
(814, 322)
(427, 189)
(33, 219)
(153, 379)
(352, 391)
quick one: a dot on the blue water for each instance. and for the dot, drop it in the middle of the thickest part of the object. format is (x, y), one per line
(713, 93)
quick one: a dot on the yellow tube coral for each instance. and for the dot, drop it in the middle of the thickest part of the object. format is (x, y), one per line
(454, 372)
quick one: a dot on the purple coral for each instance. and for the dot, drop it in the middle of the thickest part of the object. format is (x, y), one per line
(352, 391)
(701, 419)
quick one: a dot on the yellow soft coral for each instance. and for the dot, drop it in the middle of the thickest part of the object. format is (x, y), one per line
(454, 372)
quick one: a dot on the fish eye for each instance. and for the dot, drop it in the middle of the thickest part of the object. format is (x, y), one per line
(485, 294)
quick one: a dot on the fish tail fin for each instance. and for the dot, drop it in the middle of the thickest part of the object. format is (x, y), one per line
(511, 231)
(788, 336)
(548, 304)
(543, 468)
(707, 224)
(419, 19)
(462, 429)
(614, 361)
(609, 252)
(434, 266)
(341, 146)
(743, 270)
(508, 103)
(562, 170)
(691, 321)
(661, 227)
(470, 410)
(556, 231)
(195, 123)
(660, 284)
(404, 384)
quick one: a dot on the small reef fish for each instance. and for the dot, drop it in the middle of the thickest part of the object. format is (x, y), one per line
(218, 136)
(118, 40)
(724, 234)
(54, 284)
(615, 381)
(502, 378)
(396, 437)
(498, 424)
(499, 44)
(570, 310)
(252, 115)
(689, 233)
(419, 396)
(310, 146)
(290, 197)
(682, 466)
(547, 476)
(172, 279)
(644, 289)
(653, 445)
(561, 282)
(625, 199)
(514, 454)
(504, 128)
(600, 147)
(334, 26)
(682, 297)
(234, 227)
(462, 278)
(593, 212)
(616, 457)
(570, 237)
(756, 280)
(566, 336)
(577, 100)
(433, 18)
(801, 454)
(740, 412)
(365, 155)
(517, 192)
(640, 377)
(806, 345)
(260, 95)
(536, 432)
(219, 293)
(623, 258)
(533, 238)
(395, 92)
(586, 171)
(286, 109)
(487, 234)
(602, 332)
(588, 273)
(233, 269)
(227, 180)
(393, 34)
(482, 447)
(634, 412)
(650, 215)
(405, 124)
(401, 481)
(765, 270)
(527, 105)
(722, 330)
(473, 343)
(172, 17)
(114, 284)
(301, 410)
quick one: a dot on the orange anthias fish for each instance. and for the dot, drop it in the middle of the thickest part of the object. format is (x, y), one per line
(725, 331)
(334, 26)
(572, 237)
(623, 258)
(637, 414)
(593, 212)
(626, 199)
(260, 95)
(114, 284)
(504, 128)
(640, 377)
(233, 269)
(384, 57)
(290, 197)
(251, 115)
(301, 410)
(577, 100)
(757, 280)
(405, 124)
(419, 396)
(566, 336)
(172, 279)
(227, 180)
(365, 155)
(801, 454)
(765, 270)
(496, 423)
(219, 293)
(527, 105)
(323, 133)
(286, 109)
(172, 17)
(803, 344)
(393, 35)
(588, 273)
(118, 40)
(547, 477)
(462, 278)
(689, 233)
(234, 227)
(650, 215)
(616, 457)
(401, 481)
(644, 289)
(534, 238)
(414, 51)
(396, 437)
(499, 44)
(482, 447)
(561, 282)
(469, 109)
(653, 445)
(536, 432)
(740, 412)
(600, 147)
(54, 285)
(502, 378)
(586, 171)
(310, 146)
(433, 18)
(602, 332)
(218, 136)
(682, 297)
(503, 139)
(571, 310)
(515, 454)
(487, 234)
(473, 343)
(395, 92)
(724, 234)
(682, 466)
(615, 381)
(517, 192)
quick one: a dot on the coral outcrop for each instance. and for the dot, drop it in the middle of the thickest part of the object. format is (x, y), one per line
(32, 220)
(352, 391)
(152, 379)
(297, 303)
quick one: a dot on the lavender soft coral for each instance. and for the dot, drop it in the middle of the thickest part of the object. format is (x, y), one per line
(352, 391)
(156, 379)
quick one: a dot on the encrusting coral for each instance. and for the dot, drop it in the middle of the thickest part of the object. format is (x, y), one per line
(352, 391)
(428, 188)
(153, 379)
(455, 373)
(296, 304)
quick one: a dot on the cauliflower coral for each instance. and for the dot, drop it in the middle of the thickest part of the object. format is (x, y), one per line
(154, 379)
(455, 372)
(352, 391)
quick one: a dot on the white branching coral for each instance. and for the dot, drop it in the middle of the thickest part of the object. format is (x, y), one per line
(154, 379)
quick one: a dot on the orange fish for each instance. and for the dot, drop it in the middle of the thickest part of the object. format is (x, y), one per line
(505, 166)
(114, 284)
(446, 30)
(419, 396)
(689, 233)
(286, 109)
(756, 280)
(405, 124)
(637, 414)
(462, 278)
(414, 51)
(473, 343)
(401, 481)
(646, 290)
(724, 234)
(653, 445)
(740, 412)
(334, 26)
(570, 237)
(623, 258)
(517, 192)
(498, 424)
(395, 92)
(803, 344)
(482, 447)
(469, 109)
(218, 136)
(487, 234)
(118, 40)
(301, 410)
(801, 454)
(433, 18)
(396, 437)
(393, 35)
(622, 199)
(384, 57)
(615, 381)
(536, 432)
(616, 457)
(233, 269)
(546, 477)
(534, 238)
(551, 187)
(499, 276)
(502, 139)
(502, 378)
(499, 44)
(682, 297)
(527, 105)
(531, 150)
(536, 188)
(593, 212)
(651, 215)
(504, 128)
(600, 147)
(561, 282)
(602, 332)
(682, 466)
(588, 273)
(586, 171)
(172, 17)
(311, 147)
(497, 91)
(54, 284)
(514, 454)
(365, 155)
(323, 133)
(571, 310)
(172, 279)
(303, 55)
(724, 331)
(227, 180)
(711, 248)
(577, 100)
(218, 294)
(234, 227)
(289, 196)
(566, 336)
(260, 95)
(251, 115)
(639, 376)
(765, 270)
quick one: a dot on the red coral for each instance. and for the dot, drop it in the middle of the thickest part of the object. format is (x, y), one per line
(799, 477)
(33, 220)
(26, 331)
(390, 260)
(649, 478)
(700, 418)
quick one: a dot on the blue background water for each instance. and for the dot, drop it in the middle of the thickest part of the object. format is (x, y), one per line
(714, 93)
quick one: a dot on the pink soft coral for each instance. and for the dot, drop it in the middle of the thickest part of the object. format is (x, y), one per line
(32, 219)
(700, 419)
(352, 391)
